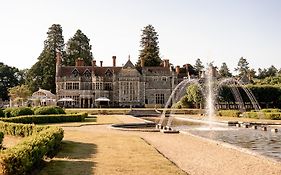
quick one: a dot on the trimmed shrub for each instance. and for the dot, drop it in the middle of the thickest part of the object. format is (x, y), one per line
(7, 112)
(13, 112)
(39, 119)
(48, 110)
(229, 113)
(21, 158)
(263, 115)
(2, 113)
(251, 115)
(271, 110)
(21, 111)
(273, 115)
(17, 129)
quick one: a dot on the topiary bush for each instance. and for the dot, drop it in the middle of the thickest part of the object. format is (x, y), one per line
(18, 111)
(7, 112)
(45, 110)
(21, 111)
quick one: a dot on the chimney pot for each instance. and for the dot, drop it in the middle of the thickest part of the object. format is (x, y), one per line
(114, 61)
(101, 63)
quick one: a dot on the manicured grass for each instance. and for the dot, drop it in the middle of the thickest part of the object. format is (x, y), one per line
(108, 153)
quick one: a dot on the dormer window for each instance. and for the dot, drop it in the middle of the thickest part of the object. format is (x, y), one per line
(87, 73)
(75, 73)
(108, 73)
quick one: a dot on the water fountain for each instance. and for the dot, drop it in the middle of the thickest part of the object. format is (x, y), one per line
(210, 90)
(247, 136)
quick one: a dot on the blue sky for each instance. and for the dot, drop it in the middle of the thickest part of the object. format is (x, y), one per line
(212, 30)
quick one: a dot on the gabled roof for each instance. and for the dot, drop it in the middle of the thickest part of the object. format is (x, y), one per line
(129, 64)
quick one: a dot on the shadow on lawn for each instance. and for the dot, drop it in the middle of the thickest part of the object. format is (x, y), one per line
(74, 158)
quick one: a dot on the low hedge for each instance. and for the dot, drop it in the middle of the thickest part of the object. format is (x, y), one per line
(18, 111)
(21, 158)
(263, 115)
(40, 119)
(229, 113)
(46, 110)
(18, 129)
(273, 115)
(271, 110)
(251, 115)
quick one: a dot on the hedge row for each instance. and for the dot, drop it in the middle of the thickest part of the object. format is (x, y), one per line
(263, 115)
(271, 110)
(19, 111)
(46, 110)
(17, 129)
(21, 158)
(39, 119)
(229, 113)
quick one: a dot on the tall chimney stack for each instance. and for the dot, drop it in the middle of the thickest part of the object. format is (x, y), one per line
(79, 62)
(166, 63)
(94, 63)
(178, 69)
(101, 63)
(114, 61)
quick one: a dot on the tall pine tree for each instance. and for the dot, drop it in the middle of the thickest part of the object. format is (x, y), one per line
(242, 67)
(224, 71)
(150, 49)
(42, 73)
(78, 47)
(198, 65)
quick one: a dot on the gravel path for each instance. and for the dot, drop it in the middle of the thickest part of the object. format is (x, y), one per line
(198, 156)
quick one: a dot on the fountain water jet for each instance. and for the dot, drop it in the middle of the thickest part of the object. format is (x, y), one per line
(212, 88)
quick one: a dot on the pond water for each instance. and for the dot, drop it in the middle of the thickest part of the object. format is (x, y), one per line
(265, 143)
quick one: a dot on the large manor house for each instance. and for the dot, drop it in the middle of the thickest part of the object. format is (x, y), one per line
(126, 86)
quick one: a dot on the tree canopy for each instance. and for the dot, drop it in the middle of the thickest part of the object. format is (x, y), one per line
(9, 77)
(19, 93)
(150, 49)
(78, 47)
(42, 73)
(224, 71)
(198, 65)
(242, 67)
